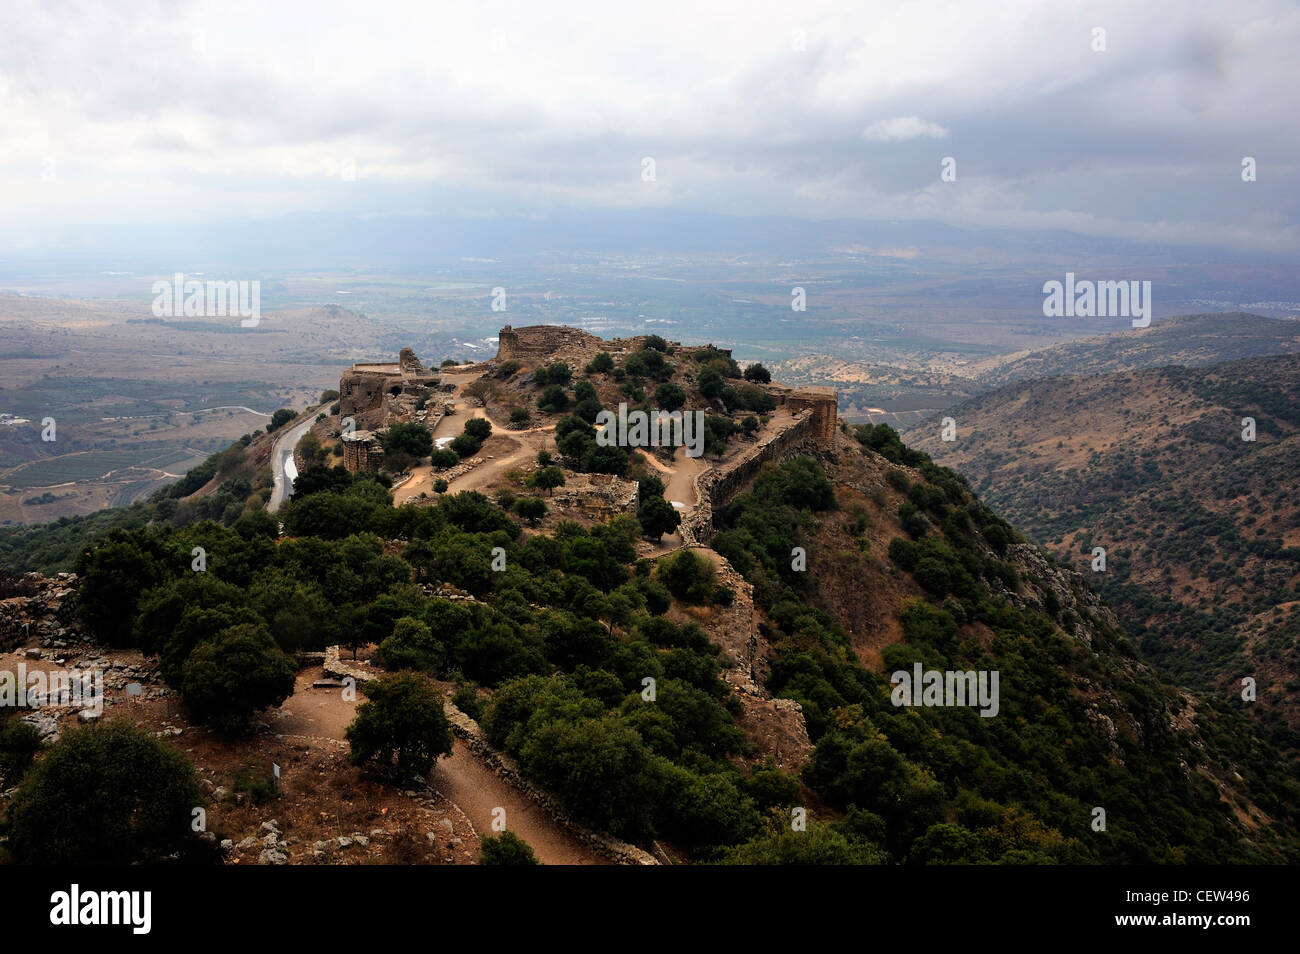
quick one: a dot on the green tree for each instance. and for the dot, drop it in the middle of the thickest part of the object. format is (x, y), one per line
(553, 399)
(226, 679)
(280, 418)
(403, 719)
(410, 437)
(412, 646)
(711, 383)
(531, 509)
(669, 396)
(756, 372)
(106, 794)
(688, 576)
(602, 363)
(657, 517)
(547, 478)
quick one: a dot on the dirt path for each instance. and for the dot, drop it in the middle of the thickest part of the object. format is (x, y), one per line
(679, 486)
(477, 791)
(317, 715)
(526, 443)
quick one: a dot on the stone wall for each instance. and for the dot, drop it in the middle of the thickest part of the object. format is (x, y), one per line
(37, 608)
(824, 405)
(540, 343)
(362, 452)
(596, 496)
(364, 388)
(716, 487)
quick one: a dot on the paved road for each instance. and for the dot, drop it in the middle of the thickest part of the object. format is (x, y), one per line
(282, 459)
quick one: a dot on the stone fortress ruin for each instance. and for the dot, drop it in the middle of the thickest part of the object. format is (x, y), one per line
(372, 394)
(377, 395)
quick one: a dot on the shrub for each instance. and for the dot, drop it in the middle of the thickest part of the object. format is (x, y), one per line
(519, 415)
(531, 509)
(106, 794)
(506, 848)
(444, 458)
(657, 516)
(280, 418)
(669, 396)
(412, 646)
(508, 369)
(19, 743)
(553, 399)
(411, 438)
(756, 372)
(688, 576)
(226, 679)
(478, 427)
(403, 719)
(466, 445)
(602, 363)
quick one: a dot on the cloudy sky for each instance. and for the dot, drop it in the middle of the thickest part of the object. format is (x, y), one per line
(152, 113)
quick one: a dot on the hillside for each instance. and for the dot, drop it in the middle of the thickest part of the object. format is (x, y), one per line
(647, 698)
(1201, 528)
(1186, 340)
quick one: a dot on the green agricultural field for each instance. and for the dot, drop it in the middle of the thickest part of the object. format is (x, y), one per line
(67, 468)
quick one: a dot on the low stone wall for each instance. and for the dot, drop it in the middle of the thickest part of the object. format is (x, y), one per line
(336, 667)
(505, 768)
(39, 608)
(596, 496)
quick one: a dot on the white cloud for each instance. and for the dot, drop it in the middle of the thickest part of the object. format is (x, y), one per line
(901, 129)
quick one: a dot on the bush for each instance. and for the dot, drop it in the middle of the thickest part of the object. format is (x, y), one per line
(478, 427)
(440, 486)
(657, 517)
(531, 509)
(106, 794)
(19, 743)
(280, 418)
(519, 415)
(508, 369)
(411, 438)
(226, 679)
(466, 445)
(412, 646)
(547, 478)
(553, 399)
(688, 576)
(444, 458)
(467, 700)
(602, 363)
(710, 383)
(669, 396)
(757, 373)
(403, 718)
(506, 848)
(557, 373)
